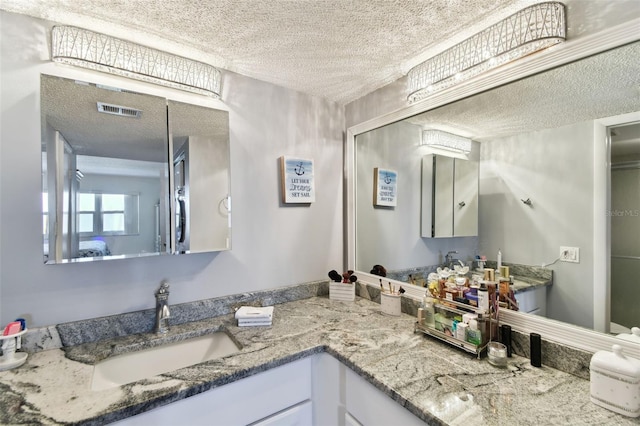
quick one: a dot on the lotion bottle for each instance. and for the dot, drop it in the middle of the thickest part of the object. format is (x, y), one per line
(428, 311)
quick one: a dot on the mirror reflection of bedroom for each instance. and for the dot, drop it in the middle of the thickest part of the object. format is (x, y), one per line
(104, 162)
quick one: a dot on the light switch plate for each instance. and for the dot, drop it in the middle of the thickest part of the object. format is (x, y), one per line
(570, 254)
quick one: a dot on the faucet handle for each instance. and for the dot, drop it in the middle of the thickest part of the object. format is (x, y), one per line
(164, 289)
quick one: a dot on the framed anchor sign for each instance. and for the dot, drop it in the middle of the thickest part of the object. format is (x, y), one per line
(385, 187)
(298, 183)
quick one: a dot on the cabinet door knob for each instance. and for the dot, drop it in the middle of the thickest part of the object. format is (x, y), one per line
(462, 204)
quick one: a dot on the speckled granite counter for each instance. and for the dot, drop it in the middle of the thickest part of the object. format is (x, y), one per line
(522, 284)
(525, 277)
(418, 372)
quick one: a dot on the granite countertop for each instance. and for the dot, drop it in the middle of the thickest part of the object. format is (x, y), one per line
(425, 375)
(522, 284)
(525, 277)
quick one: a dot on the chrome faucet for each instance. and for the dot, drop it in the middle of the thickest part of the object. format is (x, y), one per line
(162, 308)
(448, 259)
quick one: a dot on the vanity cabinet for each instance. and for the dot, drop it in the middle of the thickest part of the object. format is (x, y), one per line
(280, 396)
(300, 414)
(449, 197)
(317, 390)
(533, 301)
(371, 407)
(342, 397)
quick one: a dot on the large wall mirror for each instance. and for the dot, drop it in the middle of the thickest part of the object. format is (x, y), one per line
(111, 189)
(537, 142)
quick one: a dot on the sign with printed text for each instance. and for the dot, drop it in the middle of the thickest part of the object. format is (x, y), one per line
(298, 184)
(385, 187)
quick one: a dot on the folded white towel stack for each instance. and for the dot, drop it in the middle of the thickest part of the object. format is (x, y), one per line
(250, 316)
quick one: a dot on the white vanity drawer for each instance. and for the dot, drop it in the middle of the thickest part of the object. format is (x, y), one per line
(239, 403)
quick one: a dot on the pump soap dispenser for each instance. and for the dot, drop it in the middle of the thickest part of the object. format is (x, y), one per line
(615, 382)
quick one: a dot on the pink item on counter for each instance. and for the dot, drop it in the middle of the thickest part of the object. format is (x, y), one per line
(12, 328)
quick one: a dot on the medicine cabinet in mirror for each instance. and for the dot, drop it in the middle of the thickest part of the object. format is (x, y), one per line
(111, 189)
(449, 197)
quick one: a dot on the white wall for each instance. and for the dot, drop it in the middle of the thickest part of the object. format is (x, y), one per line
(554, 168)
(273, 245)
(391, 236)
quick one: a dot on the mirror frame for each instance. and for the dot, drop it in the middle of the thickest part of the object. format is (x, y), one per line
(561, 54)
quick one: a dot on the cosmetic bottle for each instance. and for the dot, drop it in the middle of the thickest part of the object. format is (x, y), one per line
(461, 331)
(473, 333)
(505, 337)
(483, 297)
(428, 311)
(451, 292)
(535, 347)
(489, 274)
(503, 288)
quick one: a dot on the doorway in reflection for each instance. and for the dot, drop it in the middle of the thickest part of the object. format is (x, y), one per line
(624, 217)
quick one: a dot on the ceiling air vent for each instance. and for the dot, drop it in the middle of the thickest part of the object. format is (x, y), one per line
(120, 110)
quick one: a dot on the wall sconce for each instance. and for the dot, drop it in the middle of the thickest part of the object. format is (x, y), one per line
(527, 31)
(87, 49)
(444, 140)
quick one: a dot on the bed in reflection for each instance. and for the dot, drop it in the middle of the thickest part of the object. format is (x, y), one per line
(93, 248)
(90, 248)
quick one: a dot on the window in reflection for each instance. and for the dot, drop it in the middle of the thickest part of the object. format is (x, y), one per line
(107, 214)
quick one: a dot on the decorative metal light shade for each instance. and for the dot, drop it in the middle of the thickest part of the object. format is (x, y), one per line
(444, 140)
(84, 48)
(527, 31)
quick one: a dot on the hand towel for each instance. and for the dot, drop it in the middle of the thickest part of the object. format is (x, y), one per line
(242, 323)
(255, 313)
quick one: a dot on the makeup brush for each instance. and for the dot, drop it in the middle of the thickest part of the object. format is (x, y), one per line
(335, 276)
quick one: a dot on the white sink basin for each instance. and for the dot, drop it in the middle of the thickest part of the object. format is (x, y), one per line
(130, 367)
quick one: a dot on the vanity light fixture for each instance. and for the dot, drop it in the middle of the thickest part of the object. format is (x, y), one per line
(444, 140)
(531, 29)
(88, 49)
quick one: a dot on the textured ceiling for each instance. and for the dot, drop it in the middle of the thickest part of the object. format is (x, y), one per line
(337, 49)
(69, 106)
(600, 86)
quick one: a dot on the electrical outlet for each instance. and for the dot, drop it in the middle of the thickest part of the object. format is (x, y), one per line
(570, 254)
